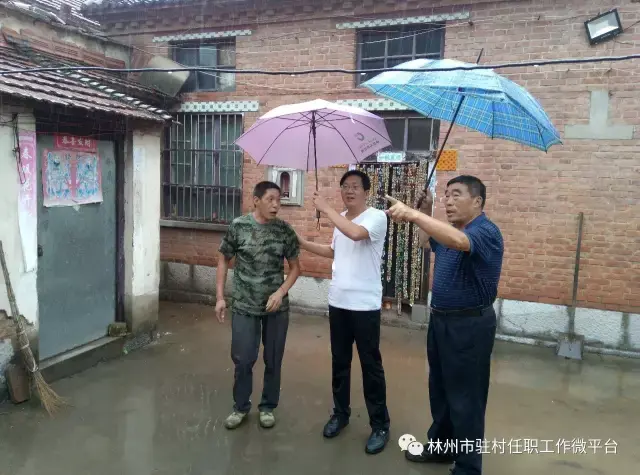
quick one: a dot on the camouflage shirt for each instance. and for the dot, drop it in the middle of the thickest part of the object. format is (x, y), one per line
(260, 250)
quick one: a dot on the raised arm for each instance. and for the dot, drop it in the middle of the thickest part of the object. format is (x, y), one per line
(353, 231)
(323, 250)
(443, 233)
(425, 205)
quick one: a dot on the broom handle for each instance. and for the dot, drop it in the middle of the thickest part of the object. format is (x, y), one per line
(10, 295)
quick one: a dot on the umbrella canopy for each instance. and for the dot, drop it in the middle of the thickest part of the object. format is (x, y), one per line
(478, 99)
(313, 135)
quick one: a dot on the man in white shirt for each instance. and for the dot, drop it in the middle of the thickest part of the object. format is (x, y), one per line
(355, 302)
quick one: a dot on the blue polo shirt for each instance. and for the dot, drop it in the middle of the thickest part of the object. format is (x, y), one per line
(463, 280)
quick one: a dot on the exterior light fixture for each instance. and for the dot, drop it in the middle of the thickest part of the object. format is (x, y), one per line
(603, 27)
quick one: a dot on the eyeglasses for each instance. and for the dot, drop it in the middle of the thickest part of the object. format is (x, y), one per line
(351, 188)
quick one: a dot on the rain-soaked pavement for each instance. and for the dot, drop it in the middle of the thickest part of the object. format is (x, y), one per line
(160, 411)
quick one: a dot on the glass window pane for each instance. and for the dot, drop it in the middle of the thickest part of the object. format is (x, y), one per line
(372, 44)
(227, 81)
(392, 62)
(371, 64)
(429, 42)
(395, 127)
(400, 43)
(186, 55)
(231, 129)
(208, 55)
(206, 81)
(227, 55)
(419, 135)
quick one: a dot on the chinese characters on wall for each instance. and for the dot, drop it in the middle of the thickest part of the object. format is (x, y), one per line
(27, 198)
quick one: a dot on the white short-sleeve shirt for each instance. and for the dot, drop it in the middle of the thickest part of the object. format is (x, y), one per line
(356, 282)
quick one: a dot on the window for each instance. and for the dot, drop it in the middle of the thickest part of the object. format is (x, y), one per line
(388, 47)
(411, 133)
(202, 172)
(220, 54)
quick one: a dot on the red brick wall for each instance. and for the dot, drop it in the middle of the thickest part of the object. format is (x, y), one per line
(534, 197)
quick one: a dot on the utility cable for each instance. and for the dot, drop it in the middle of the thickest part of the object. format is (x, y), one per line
(468, 67)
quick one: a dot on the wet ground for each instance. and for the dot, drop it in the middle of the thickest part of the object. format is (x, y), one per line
(160, 411)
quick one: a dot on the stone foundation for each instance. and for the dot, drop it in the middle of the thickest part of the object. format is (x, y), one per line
(518, 321)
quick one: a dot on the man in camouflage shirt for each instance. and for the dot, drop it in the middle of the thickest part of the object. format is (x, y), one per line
(259, 242)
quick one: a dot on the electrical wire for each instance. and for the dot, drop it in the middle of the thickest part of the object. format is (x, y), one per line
(467, 67)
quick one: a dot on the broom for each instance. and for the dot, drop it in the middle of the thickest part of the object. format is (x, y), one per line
(48, 397)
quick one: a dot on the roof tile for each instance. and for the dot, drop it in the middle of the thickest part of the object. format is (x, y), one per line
(58, 88)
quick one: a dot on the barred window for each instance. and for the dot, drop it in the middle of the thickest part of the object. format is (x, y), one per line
(202, 172)
(388, 47)
(410, 133)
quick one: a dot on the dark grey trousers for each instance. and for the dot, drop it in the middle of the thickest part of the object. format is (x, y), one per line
(246, 332)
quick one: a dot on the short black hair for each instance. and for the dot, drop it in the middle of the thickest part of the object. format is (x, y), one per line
(475, 186)
(261, 188)
(366, 181)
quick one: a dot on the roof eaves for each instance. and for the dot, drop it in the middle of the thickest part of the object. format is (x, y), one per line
(72, 89)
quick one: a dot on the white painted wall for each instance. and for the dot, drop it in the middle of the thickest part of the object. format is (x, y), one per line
(23, 283)
(142, 226)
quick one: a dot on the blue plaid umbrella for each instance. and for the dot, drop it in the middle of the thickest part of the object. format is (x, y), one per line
(478, 99)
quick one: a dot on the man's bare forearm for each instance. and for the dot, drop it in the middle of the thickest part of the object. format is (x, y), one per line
(442, 232)
(294, 273)
(422, 235)
(353, 231)
(221, 276)
(323, 250)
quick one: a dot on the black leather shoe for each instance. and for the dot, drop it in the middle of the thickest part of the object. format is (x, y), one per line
(429, 457)
(334, 426)
(377, 441)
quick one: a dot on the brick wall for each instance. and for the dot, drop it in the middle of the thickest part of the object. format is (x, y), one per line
(534, 197)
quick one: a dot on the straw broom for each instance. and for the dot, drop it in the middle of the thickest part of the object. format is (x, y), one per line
(48, 397)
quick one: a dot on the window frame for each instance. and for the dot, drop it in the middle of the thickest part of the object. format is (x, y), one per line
(441, 27)
(219, 192)
(406, 116)
(175, 46)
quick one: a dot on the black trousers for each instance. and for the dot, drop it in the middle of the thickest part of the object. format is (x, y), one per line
(459, 352)
(363, 327)
(246, 331)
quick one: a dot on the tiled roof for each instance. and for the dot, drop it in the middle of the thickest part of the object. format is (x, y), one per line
(55, 6)
(89, 4)
(102, 5)
(88, 90)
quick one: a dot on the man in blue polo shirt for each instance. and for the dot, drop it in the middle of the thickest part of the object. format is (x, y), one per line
(462, 325)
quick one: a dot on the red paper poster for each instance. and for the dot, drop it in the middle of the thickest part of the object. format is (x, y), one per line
(71, 142)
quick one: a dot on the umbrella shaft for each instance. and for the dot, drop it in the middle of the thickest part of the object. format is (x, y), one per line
(315, 157)
(446, 137)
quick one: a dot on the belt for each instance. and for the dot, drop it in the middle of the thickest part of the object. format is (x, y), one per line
(462, 312)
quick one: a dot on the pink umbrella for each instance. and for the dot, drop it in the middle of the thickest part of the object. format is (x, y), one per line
(314, 134)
